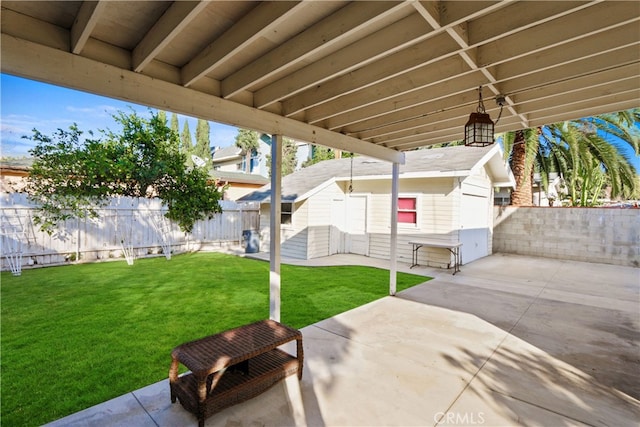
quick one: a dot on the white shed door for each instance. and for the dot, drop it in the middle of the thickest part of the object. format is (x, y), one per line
(474, 230)
(336, 228)
(357, 239)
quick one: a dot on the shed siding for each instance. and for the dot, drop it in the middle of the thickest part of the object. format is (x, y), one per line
(319, 216)
(438, 218)
(293, 238)
(308, 235)
(476, 222)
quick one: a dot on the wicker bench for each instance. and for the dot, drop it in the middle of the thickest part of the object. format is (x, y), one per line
(232, 366)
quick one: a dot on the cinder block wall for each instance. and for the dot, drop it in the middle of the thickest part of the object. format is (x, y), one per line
(603, 235)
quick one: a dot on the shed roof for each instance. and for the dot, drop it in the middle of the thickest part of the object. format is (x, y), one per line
(433, 163)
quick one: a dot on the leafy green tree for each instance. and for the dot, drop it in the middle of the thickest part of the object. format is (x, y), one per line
(203, 144)
(186, 145)
(162, 116)
(289, 157)
(72, 177)
(247, 141)
(320, 154)
(175, 127)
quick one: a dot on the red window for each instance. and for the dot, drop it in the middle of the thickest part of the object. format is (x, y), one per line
(407, 210)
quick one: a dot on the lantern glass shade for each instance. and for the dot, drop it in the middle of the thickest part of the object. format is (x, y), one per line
(478, 132)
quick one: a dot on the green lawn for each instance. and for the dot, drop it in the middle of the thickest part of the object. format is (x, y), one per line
(78, 335)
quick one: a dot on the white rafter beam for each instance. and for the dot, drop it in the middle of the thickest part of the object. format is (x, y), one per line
(170, 24)
(387, 41)
(350, 19)
(84, 23)
(264, 18)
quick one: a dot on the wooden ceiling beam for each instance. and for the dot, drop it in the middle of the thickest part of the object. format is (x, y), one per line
(349, 20)
(407, 126)
(414, 56)
(532, 101)
(84, 24)
(365, 52)
(558, 32)
(601, 105)
(594, 46)
(170, 24)
(415, 104)
(566, 72)
(266, 16)
(519, 16)
(542, 100)
(453, 12)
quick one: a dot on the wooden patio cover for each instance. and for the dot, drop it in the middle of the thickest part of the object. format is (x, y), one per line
(372, 77)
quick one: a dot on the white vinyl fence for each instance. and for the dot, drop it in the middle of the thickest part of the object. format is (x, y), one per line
(127, 228)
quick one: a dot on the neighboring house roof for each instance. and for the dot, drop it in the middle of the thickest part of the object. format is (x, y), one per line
(433, 163)
(239, 177)
(13, 174)
(17, 164)
(226, 153)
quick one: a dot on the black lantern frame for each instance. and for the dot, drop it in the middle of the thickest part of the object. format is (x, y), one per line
(479, 130)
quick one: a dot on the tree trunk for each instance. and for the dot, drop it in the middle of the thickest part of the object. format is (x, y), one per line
(247, 161)
(522, 195)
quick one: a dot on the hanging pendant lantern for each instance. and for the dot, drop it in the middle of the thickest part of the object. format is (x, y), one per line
(478, 132)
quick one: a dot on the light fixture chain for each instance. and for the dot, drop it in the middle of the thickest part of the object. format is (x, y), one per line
(480, 101)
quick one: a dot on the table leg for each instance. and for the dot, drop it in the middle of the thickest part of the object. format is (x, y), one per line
(414, 255)
(456, 260)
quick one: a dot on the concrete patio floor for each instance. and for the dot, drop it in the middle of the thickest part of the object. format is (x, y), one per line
(510, 340)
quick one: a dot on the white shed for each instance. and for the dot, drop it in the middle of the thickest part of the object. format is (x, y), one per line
(444, 193)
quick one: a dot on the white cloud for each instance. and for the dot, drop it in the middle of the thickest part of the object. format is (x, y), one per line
(98, 111)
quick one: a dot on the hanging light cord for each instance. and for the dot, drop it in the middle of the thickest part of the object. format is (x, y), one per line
(500, 100)
(480, 108)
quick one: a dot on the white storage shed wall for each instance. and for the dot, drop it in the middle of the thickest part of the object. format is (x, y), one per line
(309, 234)
(437, 217)
(448, 208)
(476, 216)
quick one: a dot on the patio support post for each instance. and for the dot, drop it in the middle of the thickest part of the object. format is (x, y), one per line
(274, 222)
(393, 244)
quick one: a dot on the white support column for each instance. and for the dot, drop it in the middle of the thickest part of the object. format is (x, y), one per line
(393, 244)
(274, 243)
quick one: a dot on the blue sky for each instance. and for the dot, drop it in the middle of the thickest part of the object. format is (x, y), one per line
(26, 104)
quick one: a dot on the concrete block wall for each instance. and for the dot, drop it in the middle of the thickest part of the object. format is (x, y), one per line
(602, 235)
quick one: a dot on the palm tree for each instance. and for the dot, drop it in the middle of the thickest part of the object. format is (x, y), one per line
(621, 125)
(247, 141)
(522, 146)
(579, 151)
(587, 161)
